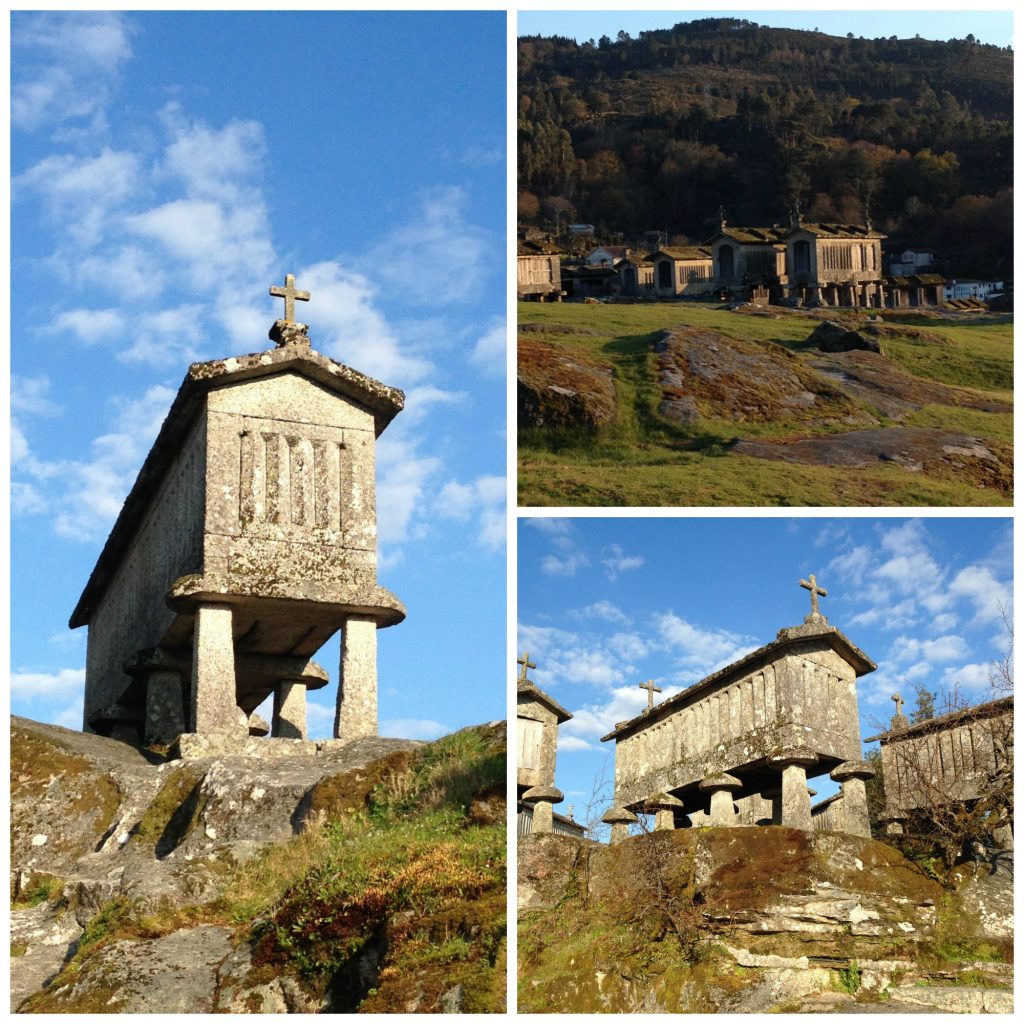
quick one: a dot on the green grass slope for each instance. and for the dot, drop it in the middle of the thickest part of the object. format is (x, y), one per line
(644, 459)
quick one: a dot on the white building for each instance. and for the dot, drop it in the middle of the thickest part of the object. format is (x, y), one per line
(972, 289)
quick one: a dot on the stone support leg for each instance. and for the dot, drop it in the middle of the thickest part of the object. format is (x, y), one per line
(214, 705)
(722, 808)
(543, 817)
(620, 833)
(664, 820)
(289, 710)
(796, 802)
(165, 707)
(357, 689)
(855, 808)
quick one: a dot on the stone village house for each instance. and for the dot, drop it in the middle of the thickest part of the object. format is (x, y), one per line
(246, 542)
(739, 746)
(538, 717)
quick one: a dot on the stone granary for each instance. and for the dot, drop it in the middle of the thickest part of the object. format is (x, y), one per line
(955, 758)
(815, 264)
(538, 717)
(739, 746)
(246, 542)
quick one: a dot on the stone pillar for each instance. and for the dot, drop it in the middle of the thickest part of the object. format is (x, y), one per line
(214, 705)
(664, 806)
(356, 715)
(543, 817)
(289, 721)
(542, 799)
(796, 800)
(165, 706)
(851, 775)
(620, 819)
(720, 786)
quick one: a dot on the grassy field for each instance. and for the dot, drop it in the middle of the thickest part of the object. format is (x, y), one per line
(642, 459)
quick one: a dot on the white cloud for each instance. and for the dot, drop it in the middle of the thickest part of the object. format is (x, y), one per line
(26, 499)
(71, 717)
(29, 685)
(601, 610)
(351, 328)
(413, 728)
(92, 325)
(66, 64)
(568, 743)
(979, 585)
(488, 353)
(568, 566)
(973, 676)
(630, 646)
(218, 165)
(87, 495)
(81, 192)
(484, 498)
(30, 396)
(943, 648)
(702, 647)
(616, 561)
(437, 257)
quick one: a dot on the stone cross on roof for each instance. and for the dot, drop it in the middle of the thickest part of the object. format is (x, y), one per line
(811, 584)
(899, 703)
(526, 663)
(289, 293)
(651, 691)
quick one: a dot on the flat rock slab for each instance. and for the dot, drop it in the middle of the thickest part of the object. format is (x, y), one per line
(173, 974)
(915, 449)
(704, 374)
(871, 378)
(560, 389)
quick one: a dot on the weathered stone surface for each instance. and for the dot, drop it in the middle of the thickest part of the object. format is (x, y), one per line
(164, 841)
(829, 336)
(784, 916)
(958, 999)
(556, 389)
(704, 374)
(914, 449)
(173, 974)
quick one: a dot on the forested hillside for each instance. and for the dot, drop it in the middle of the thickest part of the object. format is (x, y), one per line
(658, 132)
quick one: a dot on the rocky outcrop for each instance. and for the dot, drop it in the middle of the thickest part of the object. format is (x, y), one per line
(557, 388)
(135, 878)
(829, 336)
(746, 920)
(915, 449)
(704, 374)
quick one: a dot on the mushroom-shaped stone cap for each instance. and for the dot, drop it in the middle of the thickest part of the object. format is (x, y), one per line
(852, 770)
(663, 802)
(792, 755)
(720, 780)
(619, 816)
(258, 725)
(544, 794)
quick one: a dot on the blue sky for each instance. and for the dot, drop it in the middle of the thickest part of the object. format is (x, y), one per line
(987, 26)
(167, 169)
(605, 604)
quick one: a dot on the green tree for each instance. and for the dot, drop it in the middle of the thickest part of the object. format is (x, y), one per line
(924, 707)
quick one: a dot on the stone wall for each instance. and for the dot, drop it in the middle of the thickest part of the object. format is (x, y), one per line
(133, 613)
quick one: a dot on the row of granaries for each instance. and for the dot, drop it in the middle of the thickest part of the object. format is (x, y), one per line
(802, 265)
